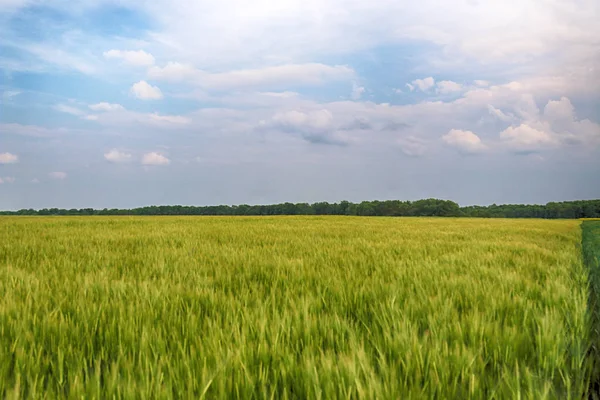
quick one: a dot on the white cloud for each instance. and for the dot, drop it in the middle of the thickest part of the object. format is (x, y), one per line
(175, 72)
(410, 87)
(486, 32)
(116, 115)
(52, 54)
(8, 5)
(481, 83)
(75, 111)
(9, 94)
(295, 74)
(143, 90)
(7, 179)
(526, 139)
(499, 114)
(117, 156)
(565, 125)
(138, 58)
(154, 158)
(553, 33)
(58, 175)
(531, 129)
(560, 110)
(68, 109)
(280, 95)
(31, 130)
(8, 158)
(465, 142)
(320, 120)
(357, 91)
(35, 180)
(422, 84)
(446, 87)
(106, 107)
(172, 119)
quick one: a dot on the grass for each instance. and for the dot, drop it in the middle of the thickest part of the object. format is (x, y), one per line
(591, 256)
(292, 307)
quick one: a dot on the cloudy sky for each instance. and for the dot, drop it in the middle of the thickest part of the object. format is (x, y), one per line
(109, 103)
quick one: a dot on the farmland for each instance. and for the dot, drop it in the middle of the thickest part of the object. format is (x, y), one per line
(292, 307)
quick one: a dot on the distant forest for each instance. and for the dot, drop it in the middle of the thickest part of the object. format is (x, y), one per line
(391, 208)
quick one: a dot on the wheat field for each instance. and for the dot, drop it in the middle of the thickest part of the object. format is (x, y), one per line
(292, 307)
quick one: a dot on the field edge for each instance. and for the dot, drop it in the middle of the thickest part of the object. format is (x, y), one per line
(590, 239)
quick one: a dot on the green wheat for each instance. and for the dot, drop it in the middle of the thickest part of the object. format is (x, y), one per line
(292, 307)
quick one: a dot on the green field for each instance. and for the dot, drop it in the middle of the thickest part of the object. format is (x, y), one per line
(292, 307)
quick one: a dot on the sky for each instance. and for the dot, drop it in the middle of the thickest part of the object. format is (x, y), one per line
(127, 103)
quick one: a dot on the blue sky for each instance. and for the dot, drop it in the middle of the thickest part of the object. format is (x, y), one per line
(131, 103)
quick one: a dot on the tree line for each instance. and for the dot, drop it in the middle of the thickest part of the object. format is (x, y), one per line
(391, 208)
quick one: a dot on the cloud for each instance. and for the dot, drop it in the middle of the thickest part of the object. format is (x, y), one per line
(31, 130)
(492, 33)
(58, 175)
(9, 94)
(68, 110)
(8, 158)
(525, 139)
(175, 72)
(106, 107)
(412, 146)
(7, 179)
(35, 180)
(291, 74)
(516, 103)
(567, 128)
(144, 91)
(499, 114)
(316, 121)
(358, 123)
(172, 119)
(280, 95)
(137, 58)
(560, 110)
(422, 84)
(315, 126)
(481, 83)
(395, 126)
(64, 108)
(116, 156)
(117, 116)
(466, 142)
(357, 91)
(154, 158)
(49, 53)
(446, 87)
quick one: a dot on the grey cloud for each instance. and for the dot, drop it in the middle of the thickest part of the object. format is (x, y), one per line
(413, 146)
(315, 126)
(358, 123)
(395, 126)
(323, 139)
